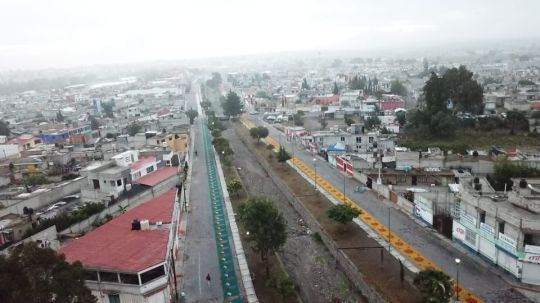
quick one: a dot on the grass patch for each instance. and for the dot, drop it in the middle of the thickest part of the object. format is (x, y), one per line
(470, 140)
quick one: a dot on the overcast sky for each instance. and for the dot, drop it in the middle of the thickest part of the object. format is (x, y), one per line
(39, 33)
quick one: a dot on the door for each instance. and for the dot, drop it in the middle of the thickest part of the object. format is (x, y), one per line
(414, 180)
(114, 298)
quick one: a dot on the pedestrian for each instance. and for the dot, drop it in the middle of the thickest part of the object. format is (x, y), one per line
(208, 279)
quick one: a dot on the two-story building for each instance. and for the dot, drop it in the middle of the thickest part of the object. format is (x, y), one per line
(132, 257)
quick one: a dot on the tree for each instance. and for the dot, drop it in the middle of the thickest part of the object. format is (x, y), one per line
(434, 285)
(259, 132)
(133, 128)
(265, 225)
(305, 85)
(108, 108)
(343, 213)
(4, 128)
(215, 81)
(192, 114)
(35, 275)
(516, 119)
(282, 155)
(349, 121)
(232, 106)
(234, 186)
(59, 116)
(396, 87)
(94, 123)
(372, 122)
(335, 91)
(298, 120)
(401, 118)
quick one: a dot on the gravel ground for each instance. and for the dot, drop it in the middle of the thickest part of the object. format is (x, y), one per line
(308, 263)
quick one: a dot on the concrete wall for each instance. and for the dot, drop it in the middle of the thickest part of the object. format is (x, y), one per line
(41, 199)
(9, 151)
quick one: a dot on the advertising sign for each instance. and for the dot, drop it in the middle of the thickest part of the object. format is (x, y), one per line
(458, 231)
(487, 229)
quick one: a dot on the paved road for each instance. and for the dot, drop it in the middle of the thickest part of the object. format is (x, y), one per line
(200, 250)
(472, 275)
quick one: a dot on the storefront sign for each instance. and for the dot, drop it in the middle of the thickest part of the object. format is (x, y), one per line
(468, 220)
(507, 240)
(532, 258)
(533, 249)
(458, 231)
(487, 229)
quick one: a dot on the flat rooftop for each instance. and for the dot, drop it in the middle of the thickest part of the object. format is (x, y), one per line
(114, 246)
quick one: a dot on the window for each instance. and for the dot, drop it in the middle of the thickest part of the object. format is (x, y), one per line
(157, 141)
(119, 182)
(370, 139)
(106, 276)
(95, 182)
(129, 279)
(470, 236)
(112, 183)
(358, 139)
(90, 275)
(152, 274)
(483, 217)
(528, 239)
(114, 298)
(342, 139)
(149, 169)
(501, 227)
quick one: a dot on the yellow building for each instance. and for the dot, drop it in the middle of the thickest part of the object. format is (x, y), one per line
(177, 142)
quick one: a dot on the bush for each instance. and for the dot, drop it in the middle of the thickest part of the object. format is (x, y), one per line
(523, 183)
(35, 180)
(69, 177)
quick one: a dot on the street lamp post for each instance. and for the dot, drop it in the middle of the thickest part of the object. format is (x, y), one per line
(457, 278)
(315, 167)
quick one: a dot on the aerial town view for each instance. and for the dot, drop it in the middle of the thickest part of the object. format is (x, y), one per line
(270, 151)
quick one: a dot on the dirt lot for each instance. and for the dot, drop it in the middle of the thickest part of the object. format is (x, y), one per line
(383, 276)
(306, 260)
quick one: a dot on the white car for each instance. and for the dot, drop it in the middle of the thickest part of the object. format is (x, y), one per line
(60, 203)
(52, 207)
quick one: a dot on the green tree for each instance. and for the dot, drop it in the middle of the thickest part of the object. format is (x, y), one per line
(133, 128)
(401, 118)
(215, 81)
(305, 85)
(343, 213)
(516, 119)
(372, 122)
(259, 132)
(266, 226)
(282, 155)
(59, 116)
(192, 114)
(435, 286)
(36, 275)
(335, 91)
(349, 121)
(94, 123)
(234, 186)
(206, 105)
(4, 129)
(396, 87)
(108, 109)
(232, 106)
(298, 119)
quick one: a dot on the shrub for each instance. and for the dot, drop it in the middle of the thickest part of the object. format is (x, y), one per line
(522, 183)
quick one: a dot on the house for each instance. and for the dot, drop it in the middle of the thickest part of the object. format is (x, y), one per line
(326, 100)
(139, 166)
(105, 180)
(131, 258)
(64, 135)
(503, 227)
(25, 142)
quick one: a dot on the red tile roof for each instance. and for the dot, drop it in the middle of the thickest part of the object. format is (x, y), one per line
(158, 176)
(114, 246)
(142, 162)
(535, 105)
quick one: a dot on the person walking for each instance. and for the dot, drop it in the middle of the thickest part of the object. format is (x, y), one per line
(208, 279)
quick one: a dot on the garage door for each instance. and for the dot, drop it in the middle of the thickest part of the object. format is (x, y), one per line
(531, 273)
